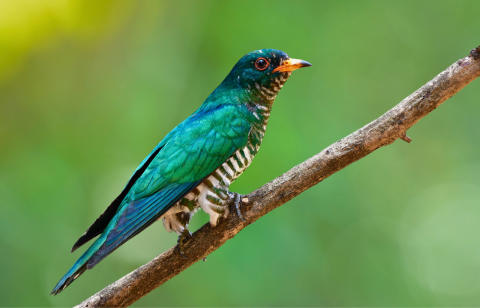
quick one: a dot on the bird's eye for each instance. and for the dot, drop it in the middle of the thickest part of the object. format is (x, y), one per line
(261, 64)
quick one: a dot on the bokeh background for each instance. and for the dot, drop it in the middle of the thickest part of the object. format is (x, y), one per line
(88, 88)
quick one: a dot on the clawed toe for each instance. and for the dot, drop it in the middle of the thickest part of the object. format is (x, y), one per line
(181, 238)
(180, 251)
(238, 203)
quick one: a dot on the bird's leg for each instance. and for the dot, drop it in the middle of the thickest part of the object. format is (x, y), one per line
(215, 202)
(237, 200)
(181, 228)
(181, 238)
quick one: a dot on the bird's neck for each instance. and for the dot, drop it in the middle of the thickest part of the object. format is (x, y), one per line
(260, 104)
(261, 97)
(267, 93)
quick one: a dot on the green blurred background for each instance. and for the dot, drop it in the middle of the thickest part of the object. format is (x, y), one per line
(88, 88)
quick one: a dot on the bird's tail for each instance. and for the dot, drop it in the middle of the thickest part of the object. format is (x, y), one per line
(79, 267)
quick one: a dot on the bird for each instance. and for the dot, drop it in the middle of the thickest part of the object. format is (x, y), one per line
(194, 165)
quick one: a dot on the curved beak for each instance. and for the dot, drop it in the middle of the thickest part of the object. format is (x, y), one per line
(291, 65)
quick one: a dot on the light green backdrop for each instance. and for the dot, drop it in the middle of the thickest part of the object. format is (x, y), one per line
(87, 89)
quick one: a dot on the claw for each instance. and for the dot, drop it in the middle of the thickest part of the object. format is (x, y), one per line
(238, 203)
(180, 251)
(181, 239)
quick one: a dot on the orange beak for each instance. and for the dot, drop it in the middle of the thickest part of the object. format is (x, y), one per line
(291, 65)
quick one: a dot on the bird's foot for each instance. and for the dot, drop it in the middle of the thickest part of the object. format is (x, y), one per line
(237, 200)
(181, 239)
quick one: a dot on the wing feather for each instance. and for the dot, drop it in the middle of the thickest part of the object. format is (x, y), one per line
(146, 212)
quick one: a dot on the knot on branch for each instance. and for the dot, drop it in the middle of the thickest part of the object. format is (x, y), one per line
(475, 53)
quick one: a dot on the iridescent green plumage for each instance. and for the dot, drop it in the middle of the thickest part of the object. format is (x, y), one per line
(196, 162)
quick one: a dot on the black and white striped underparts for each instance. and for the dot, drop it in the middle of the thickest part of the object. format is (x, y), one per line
(212, 194)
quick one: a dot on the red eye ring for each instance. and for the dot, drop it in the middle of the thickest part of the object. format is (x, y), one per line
(261, 64)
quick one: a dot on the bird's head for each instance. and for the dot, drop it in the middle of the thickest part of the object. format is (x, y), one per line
(262, 71)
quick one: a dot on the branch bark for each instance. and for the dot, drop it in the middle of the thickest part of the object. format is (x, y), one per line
(381, 132)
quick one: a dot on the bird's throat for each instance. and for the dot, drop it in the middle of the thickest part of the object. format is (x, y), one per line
(268, 93)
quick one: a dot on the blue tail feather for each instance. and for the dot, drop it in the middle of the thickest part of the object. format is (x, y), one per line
(78, 268)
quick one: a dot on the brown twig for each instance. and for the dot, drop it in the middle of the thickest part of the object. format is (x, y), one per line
(383, 131)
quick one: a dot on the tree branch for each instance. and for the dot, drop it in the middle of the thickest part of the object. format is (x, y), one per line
(381, 132)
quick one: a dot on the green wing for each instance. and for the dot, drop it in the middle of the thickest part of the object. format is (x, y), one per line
(191, 152)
